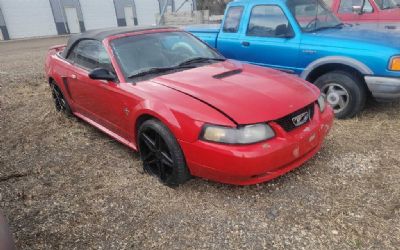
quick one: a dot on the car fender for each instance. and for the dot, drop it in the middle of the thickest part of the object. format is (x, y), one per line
(184, 127)
(353, 63)
(163, 114)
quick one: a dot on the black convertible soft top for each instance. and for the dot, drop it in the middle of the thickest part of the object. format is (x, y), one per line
(101, 34)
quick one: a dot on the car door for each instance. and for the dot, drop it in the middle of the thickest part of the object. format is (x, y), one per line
(369, 16)
(269, 39)
(103, 102)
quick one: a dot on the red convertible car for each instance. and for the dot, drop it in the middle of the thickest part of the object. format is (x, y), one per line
(187, 109)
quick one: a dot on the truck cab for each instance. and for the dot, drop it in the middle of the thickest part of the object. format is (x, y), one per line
(303, 37)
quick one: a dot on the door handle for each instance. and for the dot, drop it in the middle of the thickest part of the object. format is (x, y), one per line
(73, 76)
(246, 44)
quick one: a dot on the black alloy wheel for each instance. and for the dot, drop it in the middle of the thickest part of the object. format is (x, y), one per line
(59, 101)
(161, 154)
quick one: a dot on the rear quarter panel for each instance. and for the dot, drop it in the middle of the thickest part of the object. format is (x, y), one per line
(56, 68)
(53, 61)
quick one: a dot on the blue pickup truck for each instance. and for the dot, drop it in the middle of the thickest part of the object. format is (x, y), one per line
(303, 37)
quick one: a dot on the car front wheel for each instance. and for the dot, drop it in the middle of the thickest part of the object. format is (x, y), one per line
(344, 91)
(161, 154)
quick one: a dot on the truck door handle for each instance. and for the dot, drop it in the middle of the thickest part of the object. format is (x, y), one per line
(246, 44)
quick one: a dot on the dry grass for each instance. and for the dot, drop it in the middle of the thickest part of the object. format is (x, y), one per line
(65, 185)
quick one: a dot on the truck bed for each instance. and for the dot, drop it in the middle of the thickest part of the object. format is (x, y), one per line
(206, 32)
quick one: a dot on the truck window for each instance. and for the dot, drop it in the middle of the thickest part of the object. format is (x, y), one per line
(346, 6)
(232, 19)
(265, 19)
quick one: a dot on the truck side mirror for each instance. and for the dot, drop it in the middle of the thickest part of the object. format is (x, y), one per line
(357, 9)
(284, 31)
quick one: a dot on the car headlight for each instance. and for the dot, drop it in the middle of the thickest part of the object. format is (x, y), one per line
(322, 102)
(395, 63)
(243, 135)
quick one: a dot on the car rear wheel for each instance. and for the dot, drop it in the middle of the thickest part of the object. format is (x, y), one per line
(344, 91)
(161, 154)
(60, 102)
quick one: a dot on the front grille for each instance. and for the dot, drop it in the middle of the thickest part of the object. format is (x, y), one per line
(287, 122)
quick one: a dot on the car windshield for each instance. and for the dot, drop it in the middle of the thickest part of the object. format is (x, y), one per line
(388, 4)
(160, 53)
(313, 15)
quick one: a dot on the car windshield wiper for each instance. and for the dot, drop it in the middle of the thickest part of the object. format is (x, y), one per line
(182, 65)
(200, 59)
(149, 71)
(155, 70)
(337, 26)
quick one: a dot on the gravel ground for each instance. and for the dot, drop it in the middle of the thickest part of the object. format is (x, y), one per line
(65, 185)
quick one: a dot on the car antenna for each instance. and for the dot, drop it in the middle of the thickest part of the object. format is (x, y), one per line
(316, 14)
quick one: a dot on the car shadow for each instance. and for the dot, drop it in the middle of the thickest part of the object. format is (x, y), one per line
(373, 108)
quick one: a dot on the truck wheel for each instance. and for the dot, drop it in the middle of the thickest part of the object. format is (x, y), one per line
(161, 154)
(344, 91)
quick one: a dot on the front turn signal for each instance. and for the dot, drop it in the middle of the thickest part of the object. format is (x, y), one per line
(395, 64)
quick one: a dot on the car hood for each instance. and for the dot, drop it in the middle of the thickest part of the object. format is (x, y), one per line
(352, 37)
(245, 93)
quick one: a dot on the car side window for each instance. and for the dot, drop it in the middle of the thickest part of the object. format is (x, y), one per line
(232, 19)
(90, 54)
(267, 21)
(346, 6)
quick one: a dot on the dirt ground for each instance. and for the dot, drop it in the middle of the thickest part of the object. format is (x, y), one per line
(65, 185)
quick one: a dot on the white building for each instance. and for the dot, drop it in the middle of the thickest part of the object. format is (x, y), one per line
(35, 18)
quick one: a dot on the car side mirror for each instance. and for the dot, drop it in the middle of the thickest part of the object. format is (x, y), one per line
(102, 74)
(284, 31)
(357, 9)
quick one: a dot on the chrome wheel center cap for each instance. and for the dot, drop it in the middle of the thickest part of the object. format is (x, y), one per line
(333, 98)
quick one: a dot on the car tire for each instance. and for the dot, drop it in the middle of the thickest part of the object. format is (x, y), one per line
(344, 91)
(60, 102)
(161, 154)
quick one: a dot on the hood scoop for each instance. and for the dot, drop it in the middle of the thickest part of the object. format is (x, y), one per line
(228, 73)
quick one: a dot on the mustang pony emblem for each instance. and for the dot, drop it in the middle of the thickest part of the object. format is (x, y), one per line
(301, 119)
